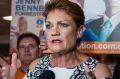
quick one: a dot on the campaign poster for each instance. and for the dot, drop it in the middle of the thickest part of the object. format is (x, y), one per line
(102, 26)
(27, 16)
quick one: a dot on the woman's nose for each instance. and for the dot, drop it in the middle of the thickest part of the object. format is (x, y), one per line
(55, 31)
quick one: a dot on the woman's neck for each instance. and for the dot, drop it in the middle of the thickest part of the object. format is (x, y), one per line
(68, 60)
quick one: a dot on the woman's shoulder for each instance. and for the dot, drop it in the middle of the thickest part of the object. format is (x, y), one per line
(33, 64)
(38, 61)
(89, 60)
(100, 70)
(91, 63)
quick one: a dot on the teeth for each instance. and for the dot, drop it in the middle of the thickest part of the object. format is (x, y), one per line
(56, 41)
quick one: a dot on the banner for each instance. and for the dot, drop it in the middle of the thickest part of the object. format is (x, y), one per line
(26, 17)
(102, 23)
(102, 26)
(100, 47)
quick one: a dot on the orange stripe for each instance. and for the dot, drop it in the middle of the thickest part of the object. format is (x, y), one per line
(100, 47)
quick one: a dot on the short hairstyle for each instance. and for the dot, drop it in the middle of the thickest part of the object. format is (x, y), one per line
(26, 35)
(72, 9)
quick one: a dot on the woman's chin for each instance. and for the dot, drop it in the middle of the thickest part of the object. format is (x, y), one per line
(56, 51)
(56, 48)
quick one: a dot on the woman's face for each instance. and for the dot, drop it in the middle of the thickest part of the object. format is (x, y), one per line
(60, 31)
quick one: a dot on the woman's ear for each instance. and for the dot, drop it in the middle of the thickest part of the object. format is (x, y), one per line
(80, 31)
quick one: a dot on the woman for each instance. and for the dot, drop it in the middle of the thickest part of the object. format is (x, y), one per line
(64, 21)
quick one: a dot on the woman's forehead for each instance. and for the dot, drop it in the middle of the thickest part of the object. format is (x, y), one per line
(58, 14)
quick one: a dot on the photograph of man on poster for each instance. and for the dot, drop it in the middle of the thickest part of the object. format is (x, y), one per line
(107, 27)
(22, 26)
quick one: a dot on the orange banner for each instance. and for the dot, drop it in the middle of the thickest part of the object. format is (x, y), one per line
(100, 47)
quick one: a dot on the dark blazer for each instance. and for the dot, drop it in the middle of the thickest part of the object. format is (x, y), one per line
(116, 74)
(89, 35)
(115, 34)
(96, 28)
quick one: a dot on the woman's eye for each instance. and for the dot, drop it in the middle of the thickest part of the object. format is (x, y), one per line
(48, 26)
(63, 24)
